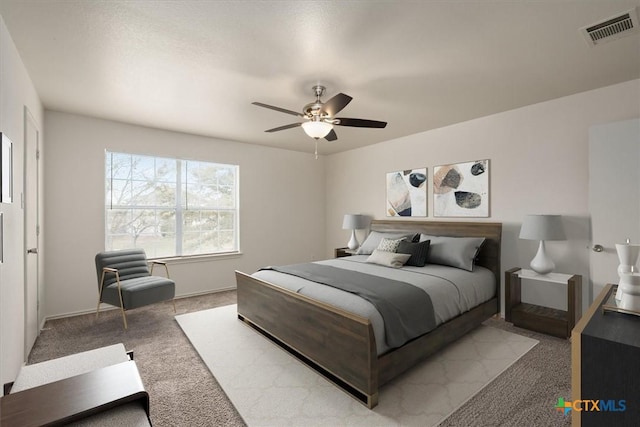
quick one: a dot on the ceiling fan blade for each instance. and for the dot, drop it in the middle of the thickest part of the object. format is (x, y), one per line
(336, 104)
(331, 136)
(282, 110)
(360, 123)
(291, 126)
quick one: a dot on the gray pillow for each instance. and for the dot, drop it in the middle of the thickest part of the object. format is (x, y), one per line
(459, 252)
(375, 237)
(418, 251)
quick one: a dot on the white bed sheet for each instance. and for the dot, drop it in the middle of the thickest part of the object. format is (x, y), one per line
(453, 291)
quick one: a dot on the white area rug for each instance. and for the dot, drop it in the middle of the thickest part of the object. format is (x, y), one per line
(269, 387)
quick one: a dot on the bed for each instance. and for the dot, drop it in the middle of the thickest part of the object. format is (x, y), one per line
(341, 344)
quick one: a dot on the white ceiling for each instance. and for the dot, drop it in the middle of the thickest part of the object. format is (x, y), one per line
(196, 66)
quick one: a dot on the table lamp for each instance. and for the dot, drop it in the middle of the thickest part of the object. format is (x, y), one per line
(542, 227)
(354, 222)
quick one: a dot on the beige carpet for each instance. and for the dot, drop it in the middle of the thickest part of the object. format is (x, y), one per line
(184, 393)
(269, 387)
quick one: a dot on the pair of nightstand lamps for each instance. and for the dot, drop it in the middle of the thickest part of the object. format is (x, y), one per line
(534, 227)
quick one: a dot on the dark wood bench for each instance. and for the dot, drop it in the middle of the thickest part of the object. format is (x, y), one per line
(71, 399)
(98, 386)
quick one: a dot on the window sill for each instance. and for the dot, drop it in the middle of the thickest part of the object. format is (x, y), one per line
(197, 258)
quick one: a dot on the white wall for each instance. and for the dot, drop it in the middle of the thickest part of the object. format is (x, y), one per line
(538, 164)
(16, 92)
(281, 202)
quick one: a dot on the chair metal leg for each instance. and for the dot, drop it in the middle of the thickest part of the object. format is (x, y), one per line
(100, 295)
(173, 300)
(124, 316)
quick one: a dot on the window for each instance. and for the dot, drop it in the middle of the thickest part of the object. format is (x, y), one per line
(170, 207)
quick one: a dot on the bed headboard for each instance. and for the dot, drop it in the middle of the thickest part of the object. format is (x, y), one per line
(489, 256)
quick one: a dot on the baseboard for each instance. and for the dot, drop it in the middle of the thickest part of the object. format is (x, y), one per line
(110, 307)
(215, 291)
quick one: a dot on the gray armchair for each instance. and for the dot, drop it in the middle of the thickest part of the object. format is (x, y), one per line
(124, 280)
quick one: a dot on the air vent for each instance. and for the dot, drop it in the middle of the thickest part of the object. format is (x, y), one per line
(625, 24)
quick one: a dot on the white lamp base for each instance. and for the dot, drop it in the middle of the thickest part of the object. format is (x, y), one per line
(542, 264)
(353, 243)
(628, 256)
(630, 286)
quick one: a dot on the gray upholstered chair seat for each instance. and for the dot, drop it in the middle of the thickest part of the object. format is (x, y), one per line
(124, 280)
(140, 291)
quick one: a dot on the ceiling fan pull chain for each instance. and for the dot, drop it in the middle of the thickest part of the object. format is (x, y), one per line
(316, 149)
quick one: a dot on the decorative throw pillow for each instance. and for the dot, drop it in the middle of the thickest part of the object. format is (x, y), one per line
(373, 240)
(459, 252)
(389, 245)
(418, 251)
(388, 259)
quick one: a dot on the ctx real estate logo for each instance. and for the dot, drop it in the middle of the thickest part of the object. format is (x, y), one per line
(566, 406)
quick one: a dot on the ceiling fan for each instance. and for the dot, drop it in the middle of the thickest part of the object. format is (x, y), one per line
(321, 116)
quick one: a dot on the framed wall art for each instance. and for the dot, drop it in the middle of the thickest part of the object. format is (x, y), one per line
(6, 170)
(461, 189)
(407, 193)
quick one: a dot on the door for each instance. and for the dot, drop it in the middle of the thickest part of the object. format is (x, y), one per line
(614, 196)
(33, 314)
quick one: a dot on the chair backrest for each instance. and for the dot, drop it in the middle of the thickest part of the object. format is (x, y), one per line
(131, 263)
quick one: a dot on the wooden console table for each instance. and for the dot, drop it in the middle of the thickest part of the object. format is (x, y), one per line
(74, 398)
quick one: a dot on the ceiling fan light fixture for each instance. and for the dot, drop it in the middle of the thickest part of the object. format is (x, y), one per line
(317, 129)
(320, 117)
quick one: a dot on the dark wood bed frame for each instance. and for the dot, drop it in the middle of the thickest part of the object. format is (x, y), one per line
(341, 345)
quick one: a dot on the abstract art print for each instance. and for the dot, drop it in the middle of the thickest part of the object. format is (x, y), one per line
(407, 193)
(461, 189)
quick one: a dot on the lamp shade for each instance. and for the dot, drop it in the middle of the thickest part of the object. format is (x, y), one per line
(317, 129)
(354, 222)
(542, 227)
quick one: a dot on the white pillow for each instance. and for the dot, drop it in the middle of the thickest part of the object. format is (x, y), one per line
(388, 259)
(373, 240)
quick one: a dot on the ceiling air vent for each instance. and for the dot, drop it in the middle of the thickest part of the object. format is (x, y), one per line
(616, 27)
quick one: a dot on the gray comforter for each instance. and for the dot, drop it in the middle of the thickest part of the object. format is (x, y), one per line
(452, 290)
(406, 309)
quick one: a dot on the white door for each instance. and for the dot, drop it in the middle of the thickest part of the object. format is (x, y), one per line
(32, 292)
(614, 196)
